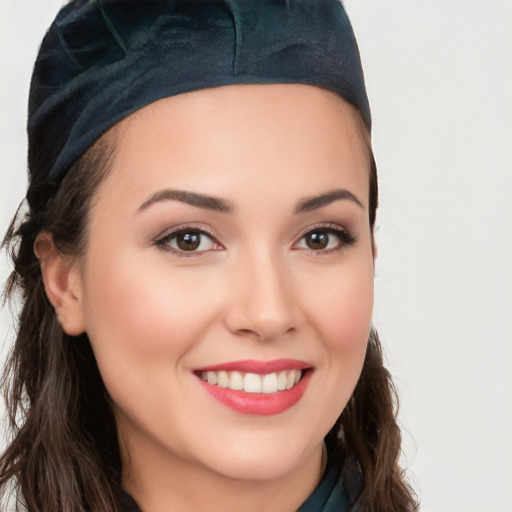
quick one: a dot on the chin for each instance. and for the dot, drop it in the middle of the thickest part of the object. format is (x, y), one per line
(265, 460)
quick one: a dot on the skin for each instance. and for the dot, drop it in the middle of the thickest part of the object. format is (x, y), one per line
(258, 291)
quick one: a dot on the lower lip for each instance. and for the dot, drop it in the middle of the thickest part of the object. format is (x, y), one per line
(259, 404)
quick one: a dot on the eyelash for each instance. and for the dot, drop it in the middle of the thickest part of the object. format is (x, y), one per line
(164, 241)
(346, 239)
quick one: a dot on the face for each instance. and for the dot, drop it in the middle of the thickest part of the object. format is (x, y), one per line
(227, 284)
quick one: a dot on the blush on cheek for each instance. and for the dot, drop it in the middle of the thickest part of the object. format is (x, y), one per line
(147, 307)
(348, 313)
(347, 325)
(348, 349)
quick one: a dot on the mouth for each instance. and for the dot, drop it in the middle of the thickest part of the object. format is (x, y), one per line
(255, 387)
(253, 382)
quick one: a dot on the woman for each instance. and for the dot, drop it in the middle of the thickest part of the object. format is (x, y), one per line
(197, 266)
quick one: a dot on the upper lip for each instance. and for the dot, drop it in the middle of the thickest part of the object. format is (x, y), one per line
(259, 367)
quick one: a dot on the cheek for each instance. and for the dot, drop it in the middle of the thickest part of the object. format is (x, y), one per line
(346, 336)
(340, 312)
(343, 315)
(344, 305)
(142, 316)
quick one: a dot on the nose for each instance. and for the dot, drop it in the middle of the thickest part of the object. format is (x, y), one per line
(263, 304)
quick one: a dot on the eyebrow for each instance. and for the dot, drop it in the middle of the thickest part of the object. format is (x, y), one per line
(191, 198)
(313, 203)
(306, 204)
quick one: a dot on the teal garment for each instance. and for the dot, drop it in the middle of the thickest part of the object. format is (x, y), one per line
(329, 496)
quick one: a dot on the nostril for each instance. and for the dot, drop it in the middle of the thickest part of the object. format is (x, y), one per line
(249, 333)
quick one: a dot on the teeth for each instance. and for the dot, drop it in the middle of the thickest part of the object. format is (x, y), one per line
(269, 383)
(236, 381)
(281, 381)
(253, 382)
(223, 379)
(290, 380)
(212, 377)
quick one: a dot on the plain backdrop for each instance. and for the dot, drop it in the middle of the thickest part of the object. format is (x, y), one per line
(439, 77)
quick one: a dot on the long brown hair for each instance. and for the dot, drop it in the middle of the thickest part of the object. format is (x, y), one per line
(64, 454)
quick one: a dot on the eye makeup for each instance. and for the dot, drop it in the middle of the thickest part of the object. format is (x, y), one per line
(192, 240)
(325, 239)
(188, 241)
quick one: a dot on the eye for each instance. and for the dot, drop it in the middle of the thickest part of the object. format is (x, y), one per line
(325, 238)
(188, 240)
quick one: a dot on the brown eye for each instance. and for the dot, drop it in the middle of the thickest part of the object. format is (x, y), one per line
(325, 239)
(188, 241)
(317, 240)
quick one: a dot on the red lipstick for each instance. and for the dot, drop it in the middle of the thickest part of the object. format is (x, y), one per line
(259, 367)
(257, 403)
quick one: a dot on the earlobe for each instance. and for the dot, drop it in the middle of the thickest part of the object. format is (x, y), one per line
(62, 284)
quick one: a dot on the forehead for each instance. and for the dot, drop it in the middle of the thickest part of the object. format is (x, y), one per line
(286, 135)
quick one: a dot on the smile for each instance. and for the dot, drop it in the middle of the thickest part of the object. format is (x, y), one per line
(253, 382)
(257, 387)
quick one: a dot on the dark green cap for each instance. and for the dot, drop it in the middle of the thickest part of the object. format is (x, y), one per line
(101, 60)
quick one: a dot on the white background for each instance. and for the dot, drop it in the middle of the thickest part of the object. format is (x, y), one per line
(439, 76)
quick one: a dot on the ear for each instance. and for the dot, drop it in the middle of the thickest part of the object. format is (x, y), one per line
(62, 284)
